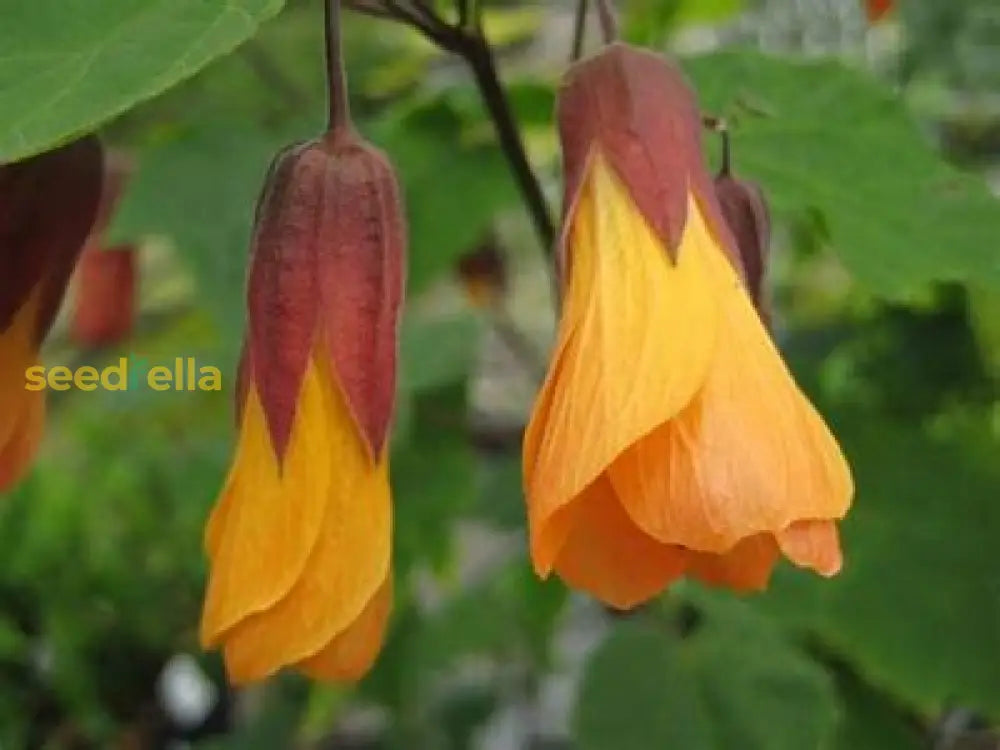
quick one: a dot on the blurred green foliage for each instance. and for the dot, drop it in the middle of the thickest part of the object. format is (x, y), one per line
(886, 275)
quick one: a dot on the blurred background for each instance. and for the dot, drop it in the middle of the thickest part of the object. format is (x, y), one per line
(871, 125)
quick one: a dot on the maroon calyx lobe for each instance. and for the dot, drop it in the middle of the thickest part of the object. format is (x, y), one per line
(48, 204)
(327, 267)
(361, 270)
(281, 288)
(745, 209)
(636, 109)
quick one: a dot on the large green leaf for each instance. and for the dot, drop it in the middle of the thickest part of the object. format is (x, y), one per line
(454, 185)
(649, 22)
(871, 722)
(820, 135)
(917, 608)
(67, 66)
(199, 189)
(734, 683)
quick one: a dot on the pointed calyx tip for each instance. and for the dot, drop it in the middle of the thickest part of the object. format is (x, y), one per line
(636, 109)
(48, 205)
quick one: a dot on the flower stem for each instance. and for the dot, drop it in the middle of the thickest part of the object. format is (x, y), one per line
(609, 21)
(336, 77)
(579, 29)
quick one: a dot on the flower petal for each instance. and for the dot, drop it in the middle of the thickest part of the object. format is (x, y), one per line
(22, 412)
(749, 454)
(635, 341)
(18, 450)
(814, 545)
(268, 520)
(746, 567)
(349, 656)
(348, 562)
(604, 553)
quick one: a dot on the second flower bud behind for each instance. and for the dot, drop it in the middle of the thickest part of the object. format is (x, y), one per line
(299, 541)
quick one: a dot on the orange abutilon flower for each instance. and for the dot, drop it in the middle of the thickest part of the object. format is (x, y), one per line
(669, 437)
(48, 204)
(299, 541)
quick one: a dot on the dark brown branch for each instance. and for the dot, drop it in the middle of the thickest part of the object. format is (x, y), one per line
(472, 46)
(480, 58)
(436, 30)
(425, 12)
(579, 29)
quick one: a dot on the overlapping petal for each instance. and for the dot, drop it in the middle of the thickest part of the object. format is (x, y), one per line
(614, 376)
(299, 549)
(669, 437)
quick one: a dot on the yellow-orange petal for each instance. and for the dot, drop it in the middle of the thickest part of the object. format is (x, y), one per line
(604, 553)
(348, 563)
(17, 453)
(273, 516)
(217, 518)
(635, 340)
(349, 656)
(749, 454)
(22, 412)
(814, 545)
(746, 567)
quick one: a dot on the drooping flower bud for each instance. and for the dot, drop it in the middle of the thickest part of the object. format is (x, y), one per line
(669, 438)
(106, 278)
(745, 209)
(299, 541)
(483, 274)
(104, 297)
(48, 204)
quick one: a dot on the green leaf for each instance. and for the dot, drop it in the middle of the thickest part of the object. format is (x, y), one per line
(734, 683)
(871, 722)
(454, 186)
(437, 350)
(820, 135)
(432, 475)
(13, 643)
(649, 22)
(199, 189)
(916, 610)
(70, 65)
